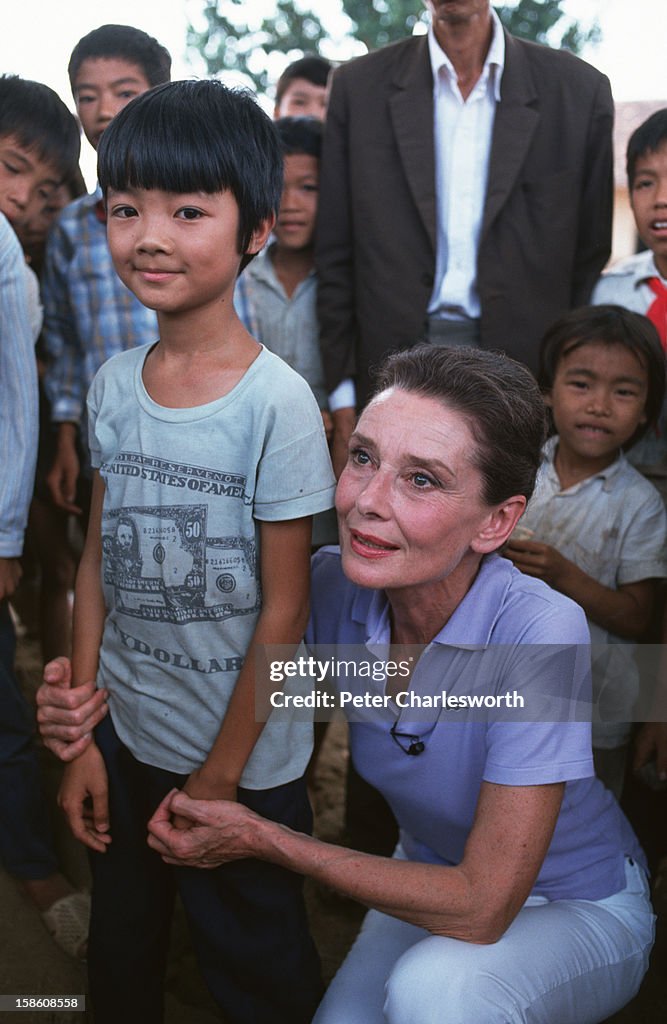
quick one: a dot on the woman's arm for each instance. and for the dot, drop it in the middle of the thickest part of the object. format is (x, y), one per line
(285, 580)
(67, 717)
(475, 901)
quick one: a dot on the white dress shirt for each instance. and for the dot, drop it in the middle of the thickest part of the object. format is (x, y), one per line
(462, 136)
(462, 131)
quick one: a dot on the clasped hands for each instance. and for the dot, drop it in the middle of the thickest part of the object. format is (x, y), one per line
(198, 826)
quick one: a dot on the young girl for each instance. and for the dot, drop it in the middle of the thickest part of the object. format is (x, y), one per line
(595, 529)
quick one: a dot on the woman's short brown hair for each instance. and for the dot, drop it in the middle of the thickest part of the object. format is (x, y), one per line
(499, 398)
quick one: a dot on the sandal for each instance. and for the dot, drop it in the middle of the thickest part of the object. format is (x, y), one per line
(67, 921)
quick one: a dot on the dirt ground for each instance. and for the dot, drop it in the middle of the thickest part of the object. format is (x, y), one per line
(29, 961)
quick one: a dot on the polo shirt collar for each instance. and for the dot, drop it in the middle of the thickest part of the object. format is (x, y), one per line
(470, 627)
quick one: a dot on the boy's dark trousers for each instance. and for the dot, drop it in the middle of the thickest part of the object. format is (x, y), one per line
(247, 918)
(26, 845)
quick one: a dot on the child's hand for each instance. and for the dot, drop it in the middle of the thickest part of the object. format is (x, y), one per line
(85, 783)
(540, 560)
(10, 574)
(652, 743)
(199, 787)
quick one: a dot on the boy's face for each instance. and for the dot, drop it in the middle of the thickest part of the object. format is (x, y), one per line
(648, 197)
(177, 252)
(40, 216)
(295, 226)
(25, 178)
(302, 99)
(598, 400)
(102, 87)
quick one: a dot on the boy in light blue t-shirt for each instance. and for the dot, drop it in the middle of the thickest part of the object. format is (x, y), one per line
(210, 458)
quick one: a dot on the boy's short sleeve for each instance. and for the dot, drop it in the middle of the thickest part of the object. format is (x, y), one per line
(92, 406)
(644, 548)
(294, 474)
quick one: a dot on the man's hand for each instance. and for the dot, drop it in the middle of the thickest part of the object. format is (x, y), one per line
(10, 574)
(67, 717)
(540, 560)
(64, 473)
(344, 422)
(217, 832)
(84, 798)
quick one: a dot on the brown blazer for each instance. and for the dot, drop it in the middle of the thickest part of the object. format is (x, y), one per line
(546, 230)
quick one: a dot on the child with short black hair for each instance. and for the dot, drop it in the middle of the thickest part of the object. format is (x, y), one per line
(301, 90)
(595, 529)
(278, 290)
(209, 459)
(121, 42)
(89, 314)
(639, 282)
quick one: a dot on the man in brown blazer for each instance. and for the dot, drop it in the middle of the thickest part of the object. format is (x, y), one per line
(398, 209)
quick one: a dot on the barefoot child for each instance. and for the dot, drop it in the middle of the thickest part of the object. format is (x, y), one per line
(210, 458)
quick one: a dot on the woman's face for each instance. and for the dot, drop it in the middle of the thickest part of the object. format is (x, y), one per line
(409, 500)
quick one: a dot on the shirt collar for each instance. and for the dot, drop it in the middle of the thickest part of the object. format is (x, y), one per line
(607, 474)
(494, 64)
(90, 200)
(262, 268)
(472, 623)
(647, 269)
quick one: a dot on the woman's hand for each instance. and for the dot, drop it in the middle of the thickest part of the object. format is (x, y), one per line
(200, 787)
(67, 715)
(216, 832)
(84, 798)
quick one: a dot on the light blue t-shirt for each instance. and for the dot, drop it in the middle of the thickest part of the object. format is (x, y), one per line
(434, 795)
(184, 491)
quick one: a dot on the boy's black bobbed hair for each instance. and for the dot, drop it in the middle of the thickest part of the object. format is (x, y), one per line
(300, 135)
(122, 42)
(38, 119)
(646, 139)
(196, 137)
(311, 67)
(608, 325)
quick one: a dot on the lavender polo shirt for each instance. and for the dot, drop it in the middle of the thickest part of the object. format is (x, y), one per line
(434, 795)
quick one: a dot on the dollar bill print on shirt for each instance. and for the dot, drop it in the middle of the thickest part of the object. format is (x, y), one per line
(159, 562)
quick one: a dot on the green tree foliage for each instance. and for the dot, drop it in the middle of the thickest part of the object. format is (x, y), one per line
(232, 40)
(538, 20)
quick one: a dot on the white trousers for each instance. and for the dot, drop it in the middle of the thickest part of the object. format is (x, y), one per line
(560, 962)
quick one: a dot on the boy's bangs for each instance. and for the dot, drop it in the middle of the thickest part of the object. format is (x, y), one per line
(162, 156)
